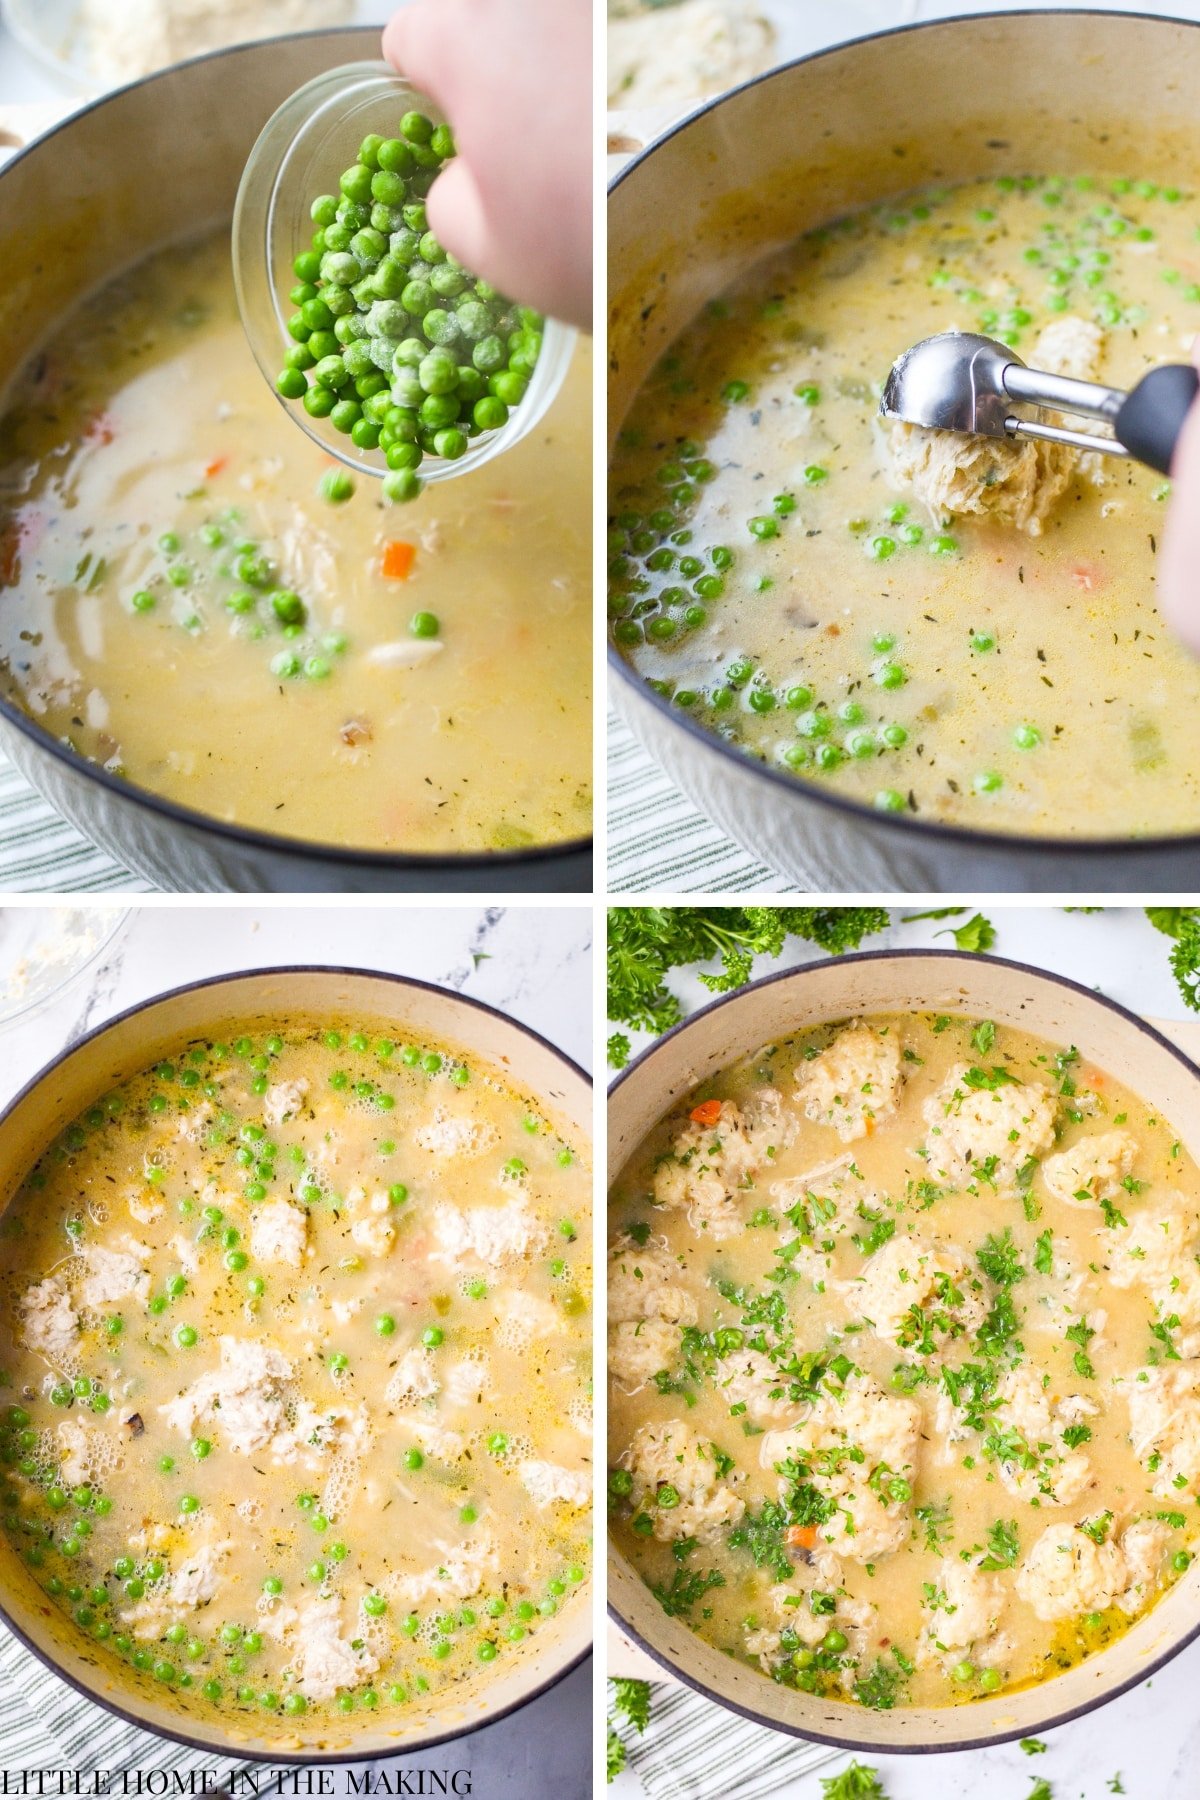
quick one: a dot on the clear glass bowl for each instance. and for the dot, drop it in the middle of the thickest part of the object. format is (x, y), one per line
(301, 152)
(44, 950)
(48, 30)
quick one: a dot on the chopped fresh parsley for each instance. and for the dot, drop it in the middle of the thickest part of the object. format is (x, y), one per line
(1064, 1062)
(1000, 1259)
(881, 1228)
(1033, 1746)
(1043, 1253)
(985, 1171)
(854, 1783)
(892, 1488)
(997, 1336)
(807, 1505)
(686, 1588)
(983, 1037)
(1081, 1333)
(881, 1688)
(925, 1193)
(988, 1079)
(761, 1533)
(908, 1377)
(1007, 1445)
(972, 1387)
(1098, 1528)
(666, 1383)
(632, 1698)
(1004, 1546)
(1113, 1216)
(936, 1521)
(1162, 1330)
(615, 1761)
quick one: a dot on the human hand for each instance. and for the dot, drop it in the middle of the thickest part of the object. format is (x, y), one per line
(1179, 565)
(514, 78)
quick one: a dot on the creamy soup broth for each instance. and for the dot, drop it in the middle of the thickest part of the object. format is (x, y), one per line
(904, 1320)
(295, 1349)
(953, 669)
(142, 448)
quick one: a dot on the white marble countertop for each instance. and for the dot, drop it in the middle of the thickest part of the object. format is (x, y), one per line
(1151, 1736)
(533, 963)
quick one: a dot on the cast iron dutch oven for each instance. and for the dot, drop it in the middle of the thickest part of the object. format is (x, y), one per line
(744, 176)
(134, 1041)
(843, 988)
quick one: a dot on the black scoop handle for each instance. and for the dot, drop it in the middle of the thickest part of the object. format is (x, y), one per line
(1152, 414)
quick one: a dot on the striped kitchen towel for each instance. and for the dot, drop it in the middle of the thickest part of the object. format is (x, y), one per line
(41, 854)
(693, 1750)
(657, 840)
(44, 1724)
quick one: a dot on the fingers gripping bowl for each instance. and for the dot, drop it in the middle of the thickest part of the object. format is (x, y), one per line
(801, 638)
(887, 1659)
(158, 1580)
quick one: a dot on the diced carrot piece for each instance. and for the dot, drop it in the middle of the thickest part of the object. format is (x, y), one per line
(214, 468)
(10, 555)
(398, 559)
(101, 430)
(707, 1113)
(801, 1537)
(18, 535)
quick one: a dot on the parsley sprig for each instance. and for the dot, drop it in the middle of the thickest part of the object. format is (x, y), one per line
(646, 942)
(630, 1700)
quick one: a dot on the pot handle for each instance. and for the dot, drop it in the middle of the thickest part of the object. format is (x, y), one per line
(630, 131)
(19, 125)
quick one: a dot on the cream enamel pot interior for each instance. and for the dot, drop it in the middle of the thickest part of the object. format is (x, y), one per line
(842, 988)
(744, 176)
(112, 208)
(121, 1048)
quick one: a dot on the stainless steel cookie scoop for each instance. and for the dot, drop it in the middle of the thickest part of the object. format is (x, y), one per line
(960, 382)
